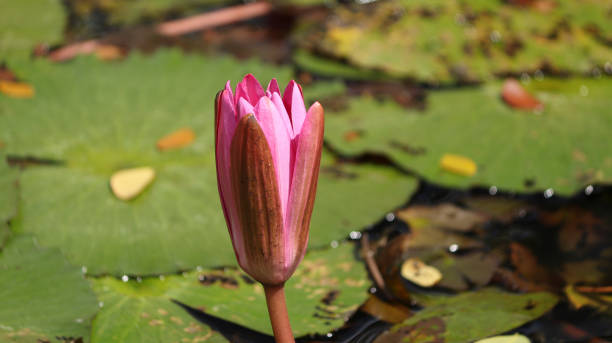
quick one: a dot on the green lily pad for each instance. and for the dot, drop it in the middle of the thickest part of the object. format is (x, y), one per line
(102, 117)
(142, 312)
(559, 148)
(8, 196)
(42, 295)
(25, 23)
(350, 197)
(449, 41)
(325, 289)
(470, 316)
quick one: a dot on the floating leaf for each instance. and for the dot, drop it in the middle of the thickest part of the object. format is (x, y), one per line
(143, 312)
(110, 122)
(514, 152)
(470, 316)
(177, 139)
(350, 197)
(42, 295)
(457, 164)
(16, 89)
(327, 287)
(128, 183)
(417, 272)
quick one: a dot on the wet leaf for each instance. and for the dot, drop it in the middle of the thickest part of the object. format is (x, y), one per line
(326, 288)
(42, 295)
(18, 90)
(126, 184)
(142, 312)
(350, 197)
(518, 148)
(177, 139)
(25, 23)
(417, 272)
(444, 216)
(470, 316)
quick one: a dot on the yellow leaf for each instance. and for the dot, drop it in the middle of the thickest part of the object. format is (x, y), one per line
(176, 139)
(458, 164)
(16, 89)
(417, 272)
(128, 183)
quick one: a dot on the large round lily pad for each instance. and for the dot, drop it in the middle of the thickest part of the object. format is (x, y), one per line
(98, 118)
(43, 296)
(560, 148)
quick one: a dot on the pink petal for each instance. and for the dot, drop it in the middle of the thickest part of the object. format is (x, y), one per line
(228, 87)
(273, 87)
(279, 140)
(244, 108)
(227, 123)
(294, 102)
(304, 184)
(249, 89)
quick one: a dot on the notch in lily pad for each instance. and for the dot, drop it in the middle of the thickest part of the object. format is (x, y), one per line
(127, 184)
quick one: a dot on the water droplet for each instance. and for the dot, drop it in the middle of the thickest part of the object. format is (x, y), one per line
(84, 270)
(539, 75)
(125, 278)
(162, 278)
(390, 217)
(138, 279)
(101, 304)
(334, 244)
(329, 335)
(492, 190)
(453, 248)
(355, 235)
(584, 90)
(373, 290)
(79, 320)
(525, 78)
(588, 190)
(495, 36)
(549, 193)
(199, 268)
(522, 213)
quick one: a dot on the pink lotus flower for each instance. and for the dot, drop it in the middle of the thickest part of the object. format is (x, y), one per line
(268, 150)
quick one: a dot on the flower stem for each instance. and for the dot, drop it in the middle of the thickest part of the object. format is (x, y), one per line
(277, 309)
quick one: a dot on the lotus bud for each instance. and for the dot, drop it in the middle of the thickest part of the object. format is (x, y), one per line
(268, 151)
